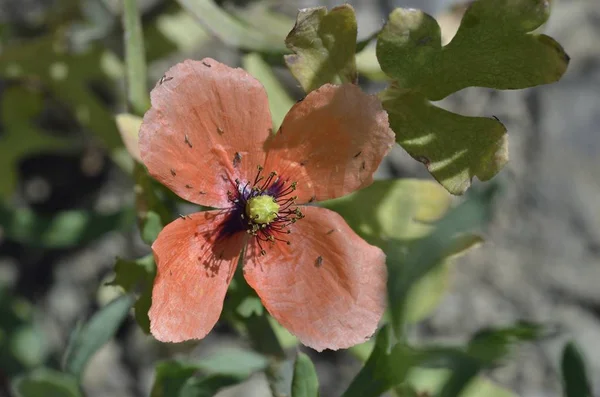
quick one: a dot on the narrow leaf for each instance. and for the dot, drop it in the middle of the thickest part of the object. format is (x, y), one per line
(324, 46)
(45, 382)
(574, 375)
(206, 386)
(135, 58)
(230, 30)
(305, 382)
(412, 263)
(279, 100)
(95, 333)
(60, 230)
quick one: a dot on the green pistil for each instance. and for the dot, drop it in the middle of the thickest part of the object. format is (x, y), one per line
(262, 209)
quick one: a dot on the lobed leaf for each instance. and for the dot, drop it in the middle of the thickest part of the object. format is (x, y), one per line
(324, 46)
(454, 148)
(492, 48)
(137, 276)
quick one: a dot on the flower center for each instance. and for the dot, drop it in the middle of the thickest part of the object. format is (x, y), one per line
(262, 209)
(265, 208)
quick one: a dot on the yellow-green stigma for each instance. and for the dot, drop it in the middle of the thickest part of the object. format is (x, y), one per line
(262, 209)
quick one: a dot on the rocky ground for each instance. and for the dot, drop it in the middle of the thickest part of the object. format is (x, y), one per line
(541, 261)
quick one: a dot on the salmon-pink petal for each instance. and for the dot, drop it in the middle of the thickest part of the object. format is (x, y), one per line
(194, 267)
(206, 127)
(331, 143)
(327, 287)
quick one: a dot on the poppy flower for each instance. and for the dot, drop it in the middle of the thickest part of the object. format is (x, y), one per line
(208, 137)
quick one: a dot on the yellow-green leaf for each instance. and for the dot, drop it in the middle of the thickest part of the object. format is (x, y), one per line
(324, 46)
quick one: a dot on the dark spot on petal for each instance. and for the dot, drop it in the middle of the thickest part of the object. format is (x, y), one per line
(270, 130)
(164, 79)
(220, 130)
(331, 231)
(188, 186)
(313, 198)
(173, 172)
(357, 154)
(206, 64)
(237, 158)
(201, 192)
(363, 166)
(196, 234)
(319, 261)
(187, 141)
(303, 162)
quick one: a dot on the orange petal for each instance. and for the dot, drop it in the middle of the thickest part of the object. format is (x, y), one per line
(327, 287)
(331, 143)
(206, 127)
(194, 269)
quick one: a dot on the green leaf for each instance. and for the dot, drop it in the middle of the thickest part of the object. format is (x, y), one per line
(67, 75)
(574, 374)
(486, 348)
(19, 109)
(409, 264)
(454, 148)
(232, 31)
(130, 274)
(137, 276)
(430, 382)
(324, 45)
(170, 376)
(279, 100)
(45, 382)
(233, 361)
(60, 230)
(152, 213)
(403, 210)
(305, 382)
(492, 48)
(142, 307)
(95, 333)
(206, 387)
(386, 367)
(135, 58)
(493, 344)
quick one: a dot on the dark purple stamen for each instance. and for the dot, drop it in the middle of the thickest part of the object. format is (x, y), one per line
(273, 185)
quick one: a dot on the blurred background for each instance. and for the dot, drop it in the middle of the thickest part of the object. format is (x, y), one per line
(66, 200)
